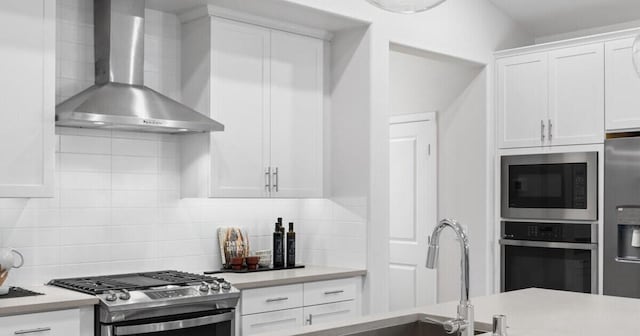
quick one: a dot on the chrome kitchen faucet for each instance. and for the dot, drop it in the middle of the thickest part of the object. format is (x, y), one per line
(463, 323)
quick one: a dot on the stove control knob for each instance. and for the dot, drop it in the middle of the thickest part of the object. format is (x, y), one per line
(204, 287)
(111, 296)
(226, 285)
(215, 287)
(125, 295)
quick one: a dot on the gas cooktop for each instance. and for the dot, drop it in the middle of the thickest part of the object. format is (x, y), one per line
(133, 281)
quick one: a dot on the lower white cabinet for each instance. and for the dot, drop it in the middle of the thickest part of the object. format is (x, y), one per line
(270, 309)
(55, 323)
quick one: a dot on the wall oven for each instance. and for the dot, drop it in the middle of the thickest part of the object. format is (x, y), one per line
(561, 256)
(561, 186)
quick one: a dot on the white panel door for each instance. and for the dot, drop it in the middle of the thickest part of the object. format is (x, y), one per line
(522, 91)
(413, 213)
(239, 100)
(27, 101)
(622, 87)
(296, 115)
(576, 95)
(330, 312)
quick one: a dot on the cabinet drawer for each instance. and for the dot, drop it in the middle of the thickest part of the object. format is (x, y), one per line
(56, 323)
(268, 299)
(329, 291)
(330, 312)
(272, 321)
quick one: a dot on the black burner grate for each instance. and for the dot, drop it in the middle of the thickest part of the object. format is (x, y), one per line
(133, 281)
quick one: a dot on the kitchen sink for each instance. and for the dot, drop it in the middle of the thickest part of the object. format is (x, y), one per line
(417, 328)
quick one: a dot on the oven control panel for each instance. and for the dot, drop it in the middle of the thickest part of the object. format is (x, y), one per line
(552, 232)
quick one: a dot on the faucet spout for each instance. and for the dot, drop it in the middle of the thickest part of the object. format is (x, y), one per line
(464, 321)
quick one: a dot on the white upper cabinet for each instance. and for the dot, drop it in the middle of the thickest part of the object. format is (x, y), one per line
(622, 87)
(240, 100)
(296, 114)
(522, 100)
(551, 98)
(27, 65)
(266, 87)
(576, 95)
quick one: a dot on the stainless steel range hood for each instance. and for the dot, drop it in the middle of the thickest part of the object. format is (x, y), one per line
(119, 100)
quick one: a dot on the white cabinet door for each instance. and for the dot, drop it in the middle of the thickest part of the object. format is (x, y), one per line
(272, 321)
(331, 312)
(522, 100)
(27, 101)
(296, 114)
(57, 323)
(622, 87)
(240, 100)
(259, 300)
(576, 95)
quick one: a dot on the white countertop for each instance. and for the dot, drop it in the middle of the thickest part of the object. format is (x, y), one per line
(530, 312)
(54, 298)
(291, 276)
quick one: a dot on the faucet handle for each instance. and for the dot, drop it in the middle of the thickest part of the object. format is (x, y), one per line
(499, 325)
(455, 326)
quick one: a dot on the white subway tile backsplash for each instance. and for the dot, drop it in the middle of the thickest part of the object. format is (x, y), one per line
(85, 144)
(70, 162)
(70, 198)
(133, 164)
(122, 181)
(134, 147)
(85, 180)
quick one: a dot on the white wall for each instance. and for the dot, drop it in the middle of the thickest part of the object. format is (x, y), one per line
(117, 207)
(420, 82)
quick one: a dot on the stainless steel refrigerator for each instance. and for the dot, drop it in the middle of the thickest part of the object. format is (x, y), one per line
(622, 217)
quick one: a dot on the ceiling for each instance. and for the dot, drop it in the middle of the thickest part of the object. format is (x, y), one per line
(553, 17)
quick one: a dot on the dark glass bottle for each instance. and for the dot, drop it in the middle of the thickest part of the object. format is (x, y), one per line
(278, 248)
(291, 247)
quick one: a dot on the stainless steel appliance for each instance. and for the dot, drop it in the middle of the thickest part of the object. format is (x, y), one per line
(119, 100)
(167, 303)
(561, 186)
(562, 256)
(622, 217)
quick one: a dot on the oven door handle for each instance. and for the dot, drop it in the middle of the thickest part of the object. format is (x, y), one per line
(547, 244)
(173, 325)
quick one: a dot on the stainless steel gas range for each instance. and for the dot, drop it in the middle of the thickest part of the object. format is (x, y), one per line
(165, 303)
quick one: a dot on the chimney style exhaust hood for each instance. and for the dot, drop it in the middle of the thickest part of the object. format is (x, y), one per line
(119, 100)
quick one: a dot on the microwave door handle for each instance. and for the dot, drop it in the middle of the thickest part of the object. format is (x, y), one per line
(547, 244)
(173, 325)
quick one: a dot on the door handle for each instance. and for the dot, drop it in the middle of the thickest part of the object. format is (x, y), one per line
(310, 319)
(334, 292)
(542, 130)
(277, 299)
(276, 179)
(31, 331)
(550, 130)
(267, 177)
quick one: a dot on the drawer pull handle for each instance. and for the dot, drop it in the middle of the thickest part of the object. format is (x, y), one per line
(278, 299)
(334, 292)
(31, 331)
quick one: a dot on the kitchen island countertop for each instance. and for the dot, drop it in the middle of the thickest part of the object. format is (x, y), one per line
(290, 276)
(54, 298)
(530, 312)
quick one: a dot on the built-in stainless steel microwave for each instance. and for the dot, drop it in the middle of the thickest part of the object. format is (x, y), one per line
(550, 186)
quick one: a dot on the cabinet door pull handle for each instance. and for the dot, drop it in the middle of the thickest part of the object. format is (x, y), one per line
(310, 319)
(277, 299)
(267, 177)
(276, 179)
(334, 292)
(550, 130)
(542, 130)
(31, 331)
